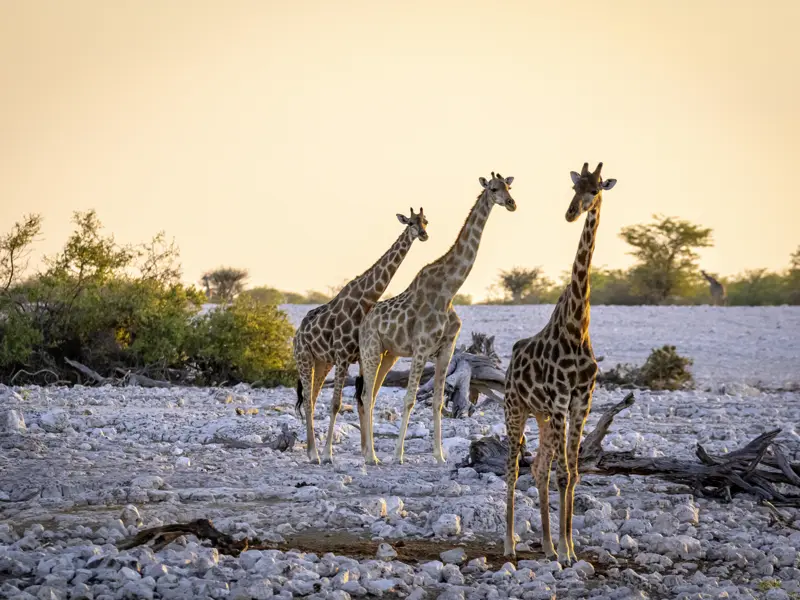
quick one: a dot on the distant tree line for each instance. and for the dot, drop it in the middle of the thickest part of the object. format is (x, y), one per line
(666, 272)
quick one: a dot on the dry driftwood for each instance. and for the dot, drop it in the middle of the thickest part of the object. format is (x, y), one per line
(128, 378)
(93, 375)
(754, 469)
(202, 529)
(469, 376)
(284, 441)
(473, 370)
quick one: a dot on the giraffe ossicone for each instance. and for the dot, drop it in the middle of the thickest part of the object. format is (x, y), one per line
(421, 323)
(328, 335)
(551, 376)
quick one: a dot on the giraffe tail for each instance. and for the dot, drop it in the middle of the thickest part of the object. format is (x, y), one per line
(298, 406)
(359, 389)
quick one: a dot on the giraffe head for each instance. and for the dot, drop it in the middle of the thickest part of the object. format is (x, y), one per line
(497, 188)
(416, 223)
(588, 188)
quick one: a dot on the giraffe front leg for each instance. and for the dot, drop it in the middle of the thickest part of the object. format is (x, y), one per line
(515, 427)
(336, 405)
(540, 470)
(559, 427)
(576, 422)
(414, 375)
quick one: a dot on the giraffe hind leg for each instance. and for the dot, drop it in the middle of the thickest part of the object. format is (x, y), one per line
(320, 371)
(515, 426)
(370, 362)
(414, 375)
(305, 389)
(440, 373)
(336, 405)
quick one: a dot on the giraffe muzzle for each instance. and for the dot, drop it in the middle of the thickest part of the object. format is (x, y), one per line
(511, 206)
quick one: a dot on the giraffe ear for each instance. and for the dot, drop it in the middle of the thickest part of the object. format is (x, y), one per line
(403, 219)
(509, 180)
(483, 182)
(608, 184)
(575, 176)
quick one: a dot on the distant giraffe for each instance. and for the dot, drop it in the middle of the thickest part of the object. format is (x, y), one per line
(328, 334)
(719, 296)
(551, 376)
(421, 323)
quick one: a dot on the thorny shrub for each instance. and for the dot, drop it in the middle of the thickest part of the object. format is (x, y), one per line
(116, 308)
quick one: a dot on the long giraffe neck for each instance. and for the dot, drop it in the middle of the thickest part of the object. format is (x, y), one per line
(456, 264)
(573, 307)
(373, 282)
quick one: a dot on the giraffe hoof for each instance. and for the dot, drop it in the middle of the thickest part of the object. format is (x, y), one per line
(372, 460)
(440, 459)
(573, 557)
(327, 460)
(313, 459)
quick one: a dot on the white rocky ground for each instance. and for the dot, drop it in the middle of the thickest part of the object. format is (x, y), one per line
(82, 468)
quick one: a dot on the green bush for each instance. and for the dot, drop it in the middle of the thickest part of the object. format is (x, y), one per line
(18, 338)
(759, 288)
(247, 341)
(265, 295)
(612, 286)
(116, 308)
(664, 369)
(462, 299)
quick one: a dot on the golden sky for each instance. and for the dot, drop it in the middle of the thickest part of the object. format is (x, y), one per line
(283, 137)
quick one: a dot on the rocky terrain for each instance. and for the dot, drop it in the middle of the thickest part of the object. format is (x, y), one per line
(81, 469)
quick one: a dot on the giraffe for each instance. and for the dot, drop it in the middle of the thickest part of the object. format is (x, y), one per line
(421, 323)
(328, 334)
(552, 375)
(718, 295)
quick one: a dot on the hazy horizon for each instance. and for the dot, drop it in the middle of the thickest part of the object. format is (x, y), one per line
(283, 138)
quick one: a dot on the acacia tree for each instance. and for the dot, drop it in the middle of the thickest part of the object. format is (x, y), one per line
(665, 249)
(15, 248)
(224, 283)
(521, 283)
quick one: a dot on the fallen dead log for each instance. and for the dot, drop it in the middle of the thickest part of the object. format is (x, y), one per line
(469, 376)
(284, 441)
(756, 469)
(202, 529)
(86, 371)
(130, 378)
(488, 455)
(473, 371)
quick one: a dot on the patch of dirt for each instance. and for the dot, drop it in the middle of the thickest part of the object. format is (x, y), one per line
(344, 543)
